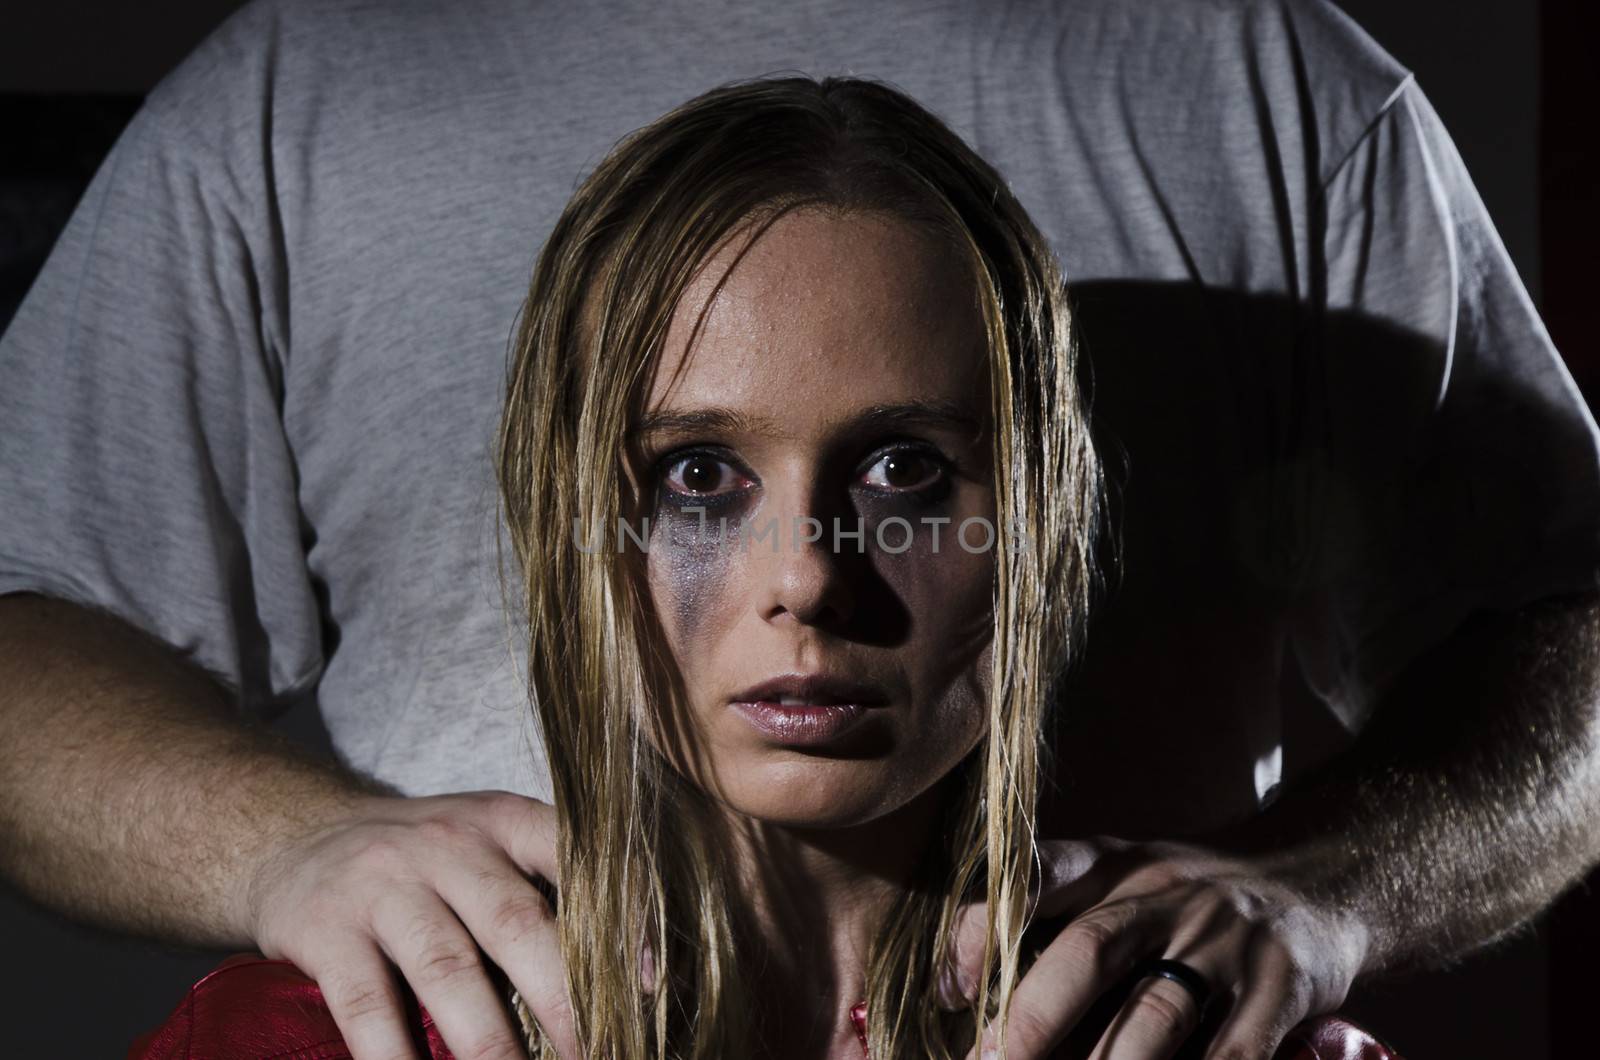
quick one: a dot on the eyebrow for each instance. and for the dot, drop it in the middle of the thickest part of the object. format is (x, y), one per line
(948, 415)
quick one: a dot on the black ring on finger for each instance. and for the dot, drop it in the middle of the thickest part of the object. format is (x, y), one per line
(1196, 984)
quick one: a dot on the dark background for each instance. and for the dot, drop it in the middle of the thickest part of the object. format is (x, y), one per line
(1516, 88)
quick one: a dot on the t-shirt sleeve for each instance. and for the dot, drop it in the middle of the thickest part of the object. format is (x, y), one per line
(144, 468)
(1459, 466)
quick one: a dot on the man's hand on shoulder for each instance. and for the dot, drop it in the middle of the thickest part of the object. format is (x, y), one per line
(1270, 953)
(420, 884)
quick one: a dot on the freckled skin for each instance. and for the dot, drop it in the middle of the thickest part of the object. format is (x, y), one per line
(827, 316)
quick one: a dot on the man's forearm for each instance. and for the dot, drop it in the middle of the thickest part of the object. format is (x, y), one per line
(131, 795)
(1471, 801)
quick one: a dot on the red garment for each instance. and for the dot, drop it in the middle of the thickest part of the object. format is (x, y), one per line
(252, 1008)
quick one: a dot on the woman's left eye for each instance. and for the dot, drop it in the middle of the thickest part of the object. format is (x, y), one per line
(904, 471)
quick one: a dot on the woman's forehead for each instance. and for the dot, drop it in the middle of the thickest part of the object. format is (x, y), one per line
(825, 308)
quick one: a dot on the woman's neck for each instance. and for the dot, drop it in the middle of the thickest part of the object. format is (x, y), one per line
(815, 900)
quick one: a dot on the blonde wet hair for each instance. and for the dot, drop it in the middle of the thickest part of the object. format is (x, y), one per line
(637, 851)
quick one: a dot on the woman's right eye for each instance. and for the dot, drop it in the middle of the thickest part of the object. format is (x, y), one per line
(702, 475)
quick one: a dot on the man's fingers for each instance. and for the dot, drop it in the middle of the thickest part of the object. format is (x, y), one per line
(526, 829)
(1066, 887)
(365, 1001)
(1152, 1024)
(393, 881)
(441, 962)
(1088, 957)
(517, 928)
(1272, 998)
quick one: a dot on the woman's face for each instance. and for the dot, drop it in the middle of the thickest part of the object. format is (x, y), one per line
(838, 386)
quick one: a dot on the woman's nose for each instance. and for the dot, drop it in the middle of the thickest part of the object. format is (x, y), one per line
(804, 579)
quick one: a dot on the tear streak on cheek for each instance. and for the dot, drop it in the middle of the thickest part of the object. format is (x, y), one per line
(690, 566)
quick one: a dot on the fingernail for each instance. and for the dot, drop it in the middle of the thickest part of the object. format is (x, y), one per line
(647, 968)
(952, 989)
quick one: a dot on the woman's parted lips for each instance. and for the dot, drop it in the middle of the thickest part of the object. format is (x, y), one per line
(813, 690)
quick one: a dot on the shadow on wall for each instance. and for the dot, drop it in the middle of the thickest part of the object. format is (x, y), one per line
(1251, 489)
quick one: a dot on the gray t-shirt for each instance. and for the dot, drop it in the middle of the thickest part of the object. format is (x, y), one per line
(248, 404)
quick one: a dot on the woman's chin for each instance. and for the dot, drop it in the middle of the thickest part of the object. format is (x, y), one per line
(821, 817)
(814, 801)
